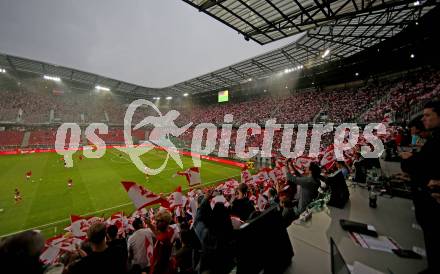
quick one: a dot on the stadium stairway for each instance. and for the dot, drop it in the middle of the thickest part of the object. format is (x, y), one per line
(26, 137)
(372, 104)
(317, 116)
(83, 138)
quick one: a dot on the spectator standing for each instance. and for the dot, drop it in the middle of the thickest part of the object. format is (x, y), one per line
(424, 167)
(117, 245)
(140, 247)
(162, 261)
(242, 207)
(101, 259)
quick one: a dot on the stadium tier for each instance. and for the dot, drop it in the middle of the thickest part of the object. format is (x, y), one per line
(367, 103)
(10, 139)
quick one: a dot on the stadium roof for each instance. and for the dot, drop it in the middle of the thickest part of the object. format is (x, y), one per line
(26, 65)
(343, 37)
(351, 26)
(265, 21)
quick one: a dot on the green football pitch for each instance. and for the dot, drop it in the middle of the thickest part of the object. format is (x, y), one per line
(47, 202)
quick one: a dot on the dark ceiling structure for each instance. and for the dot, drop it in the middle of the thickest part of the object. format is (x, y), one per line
(265, 21)
(343, 28)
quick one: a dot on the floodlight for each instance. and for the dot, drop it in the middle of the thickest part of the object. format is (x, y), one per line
(102, 88)
(52, 78)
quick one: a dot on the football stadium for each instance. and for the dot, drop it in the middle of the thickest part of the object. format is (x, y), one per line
(220, 136)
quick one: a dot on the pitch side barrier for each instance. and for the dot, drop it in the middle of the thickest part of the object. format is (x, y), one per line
(185, 153)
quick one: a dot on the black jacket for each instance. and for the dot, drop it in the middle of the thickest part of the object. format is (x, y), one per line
(425, 165)
(242, 208)
(422, 167)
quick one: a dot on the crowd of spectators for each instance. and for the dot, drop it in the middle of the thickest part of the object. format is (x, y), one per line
(200, 237)
(187, 240)
(366, 103)
(403, 95)
(10, 139)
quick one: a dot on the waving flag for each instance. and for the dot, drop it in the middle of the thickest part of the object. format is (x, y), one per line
(192, 176)
(329, 159)
(278, 174)
(228, 187)
(177, 201)
(56, 246)
(245, 175)
(260, 178)
(281, 162)
(262, 202)
(78, 226)
(142, 197)
(302, 162)
(219, 199)
(176, 198)
(52, 250)
(120, 221)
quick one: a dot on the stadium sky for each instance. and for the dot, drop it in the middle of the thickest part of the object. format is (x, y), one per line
(154, 43)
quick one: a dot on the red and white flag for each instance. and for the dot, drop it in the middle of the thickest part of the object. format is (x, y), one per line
(262, 202)
(278, 174)
(177, 201)
(260, 178)
(50, 254)
(151, 214)
(142, 197)
(245, 175)
(176, 198)
(329, 158)
(349, 155)
(78, 226)
(192, 176)
(120, 221)
(56, 246)
(228, 187)
(281, 162)
(219, 199)
(302, 162)
(52, 250)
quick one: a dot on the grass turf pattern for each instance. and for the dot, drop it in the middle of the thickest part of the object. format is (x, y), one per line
(48, 203)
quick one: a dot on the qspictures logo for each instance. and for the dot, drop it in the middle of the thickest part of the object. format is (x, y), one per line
(346, 137)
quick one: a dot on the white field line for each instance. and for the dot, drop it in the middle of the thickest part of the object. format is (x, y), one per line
(99, 211)
(163, 157)
(130, 162)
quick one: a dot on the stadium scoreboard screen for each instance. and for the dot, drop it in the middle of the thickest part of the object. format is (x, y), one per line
(223, 96)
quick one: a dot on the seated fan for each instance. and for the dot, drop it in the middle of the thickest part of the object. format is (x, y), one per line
(339, 190)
